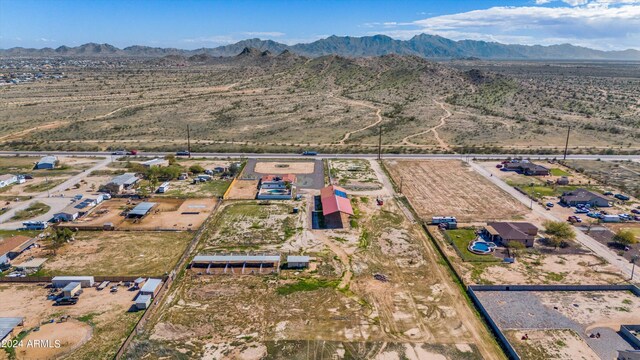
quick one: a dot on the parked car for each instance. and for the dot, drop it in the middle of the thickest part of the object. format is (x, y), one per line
(593, 215)
(621, 197)
(608, 193)
(499, 166)
(66, 301)
(581, 211)
(550, 204)
(635, 211)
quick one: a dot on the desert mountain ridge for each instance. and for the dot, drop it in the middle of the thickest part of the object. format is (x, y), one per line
(423, 45)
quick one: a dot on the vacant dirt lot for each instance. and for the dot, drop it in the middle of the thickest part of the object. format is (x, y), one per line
(98, 325)
(451, 188)
(169, 214)
(354, 174)
(124, 253)
(243, 190)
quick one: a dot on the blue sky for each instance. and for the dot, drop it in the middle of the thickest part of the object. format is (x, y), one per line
(602, 24)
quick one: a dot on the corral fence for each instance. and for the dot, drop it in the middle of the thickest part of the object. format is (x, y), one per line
(504, 343)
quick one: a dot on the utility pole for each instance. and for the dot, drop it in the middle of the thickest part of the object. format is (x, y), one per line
(566, 145)
(380, 143)
(189, 141)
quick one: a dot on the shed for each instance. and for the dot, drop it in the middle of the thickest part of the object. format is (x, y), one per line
(228, 263)
(141, 210)
(8, 179)
(31, 265)
(71, 289)
(297, 262)
(8, 325)
(62, 281)
(47, 162)
(139, 282)
(155, 162)
(143, 302)
(151, 287)
(11, 247)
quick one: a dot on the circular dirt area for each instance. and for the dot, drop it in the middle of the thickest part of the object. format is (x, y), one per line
(54, 340)
(285, 167)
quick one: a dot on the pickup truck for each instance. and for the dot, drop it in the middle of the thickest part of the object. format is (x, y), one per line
(66, 301)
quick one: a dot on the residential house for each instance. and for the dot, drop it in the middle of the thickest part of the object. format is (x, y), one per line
(584, 197)
(504, 232)
(120, 183)
(526, 167)
(276, 187)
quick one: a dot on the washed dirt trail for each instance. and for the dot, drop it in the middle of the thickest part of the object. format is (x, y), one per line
(361, 104)
(443, 121)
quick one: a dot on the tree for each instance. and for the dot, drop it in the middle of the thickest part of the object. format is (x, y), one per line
(60, 237)
(625, 237)
(559, 232)
(171, 158)
(514, 246)
(196, 169)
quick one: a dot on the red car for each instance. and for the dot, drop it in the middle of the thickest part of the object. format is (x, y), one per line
(499, 166)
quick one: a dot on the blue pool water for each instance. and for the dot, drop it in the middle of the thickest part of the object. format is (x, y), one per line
(480, 246)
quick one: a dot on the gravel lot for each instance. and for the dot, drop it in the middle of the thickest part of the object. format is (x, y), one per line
(519, 310)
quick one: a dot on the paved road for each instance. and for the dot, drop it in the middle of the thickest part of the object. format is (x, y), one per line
(49, 198)
(595, 246)
(341, 156)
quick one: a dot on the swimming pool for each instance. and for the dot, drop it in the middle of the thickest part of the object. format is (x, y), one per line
(481, 247)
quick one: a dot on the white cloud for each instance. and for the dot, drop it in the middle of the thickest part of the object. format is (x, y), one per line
(214, 39)
(264, 33)
(602, 24)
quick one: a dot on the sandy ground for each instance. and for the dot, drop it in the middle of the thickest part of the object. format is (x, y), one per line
(293, 167)
(169, 214)
(554, 344)
(354, 175)
(394, 311)
(63, 339)
(122, 253)
(451, 188)
(243, 190)
(607, 309)
(30, 301)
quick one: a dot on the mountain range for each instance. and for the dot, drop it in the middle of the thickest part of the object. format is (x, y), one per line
(423, 45)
